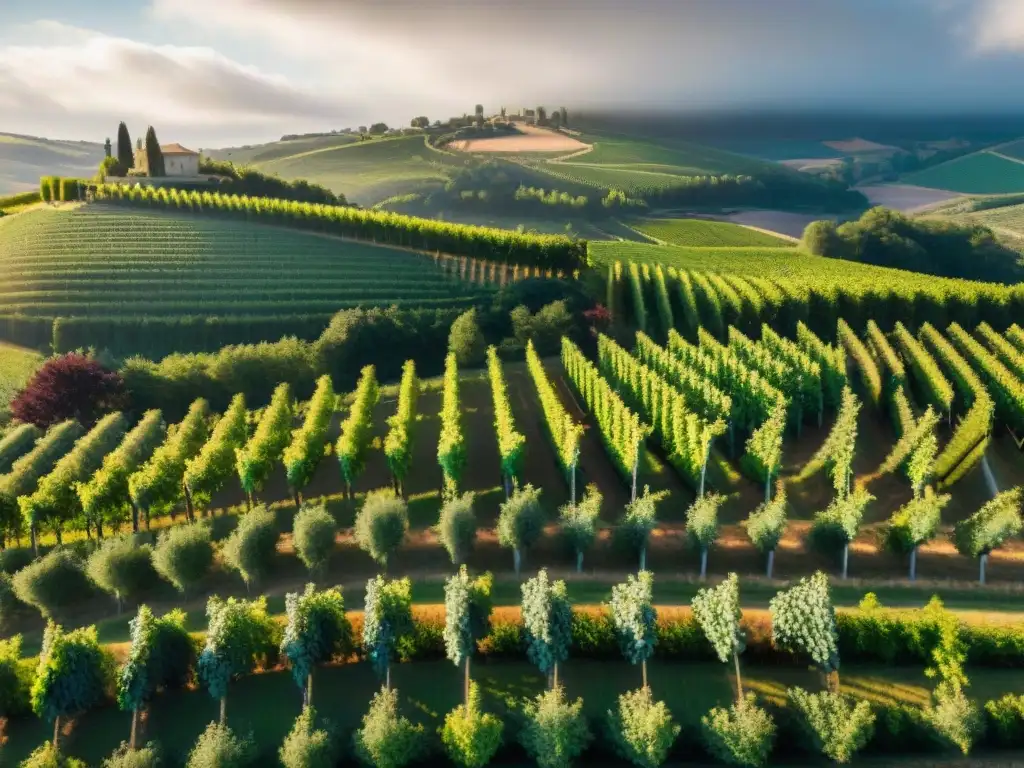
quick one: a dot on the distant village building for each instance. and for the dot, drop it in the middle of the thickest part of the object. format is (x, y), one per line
(178, 160)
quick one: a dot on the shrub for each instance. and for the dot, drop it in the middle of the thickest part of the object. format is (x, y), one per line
(15, 680)
(73, 676)
(555, 732)
(642, 729)
(317, 631)
(47, 756)
(13, 559)
(456, 527)
(9, 603)
(308, 746)
(381, 524)
(71, 386)
(250, 550)
(466, 340)
(52, 583)
(471, 737)
(126, 757)
(386, 739)
(122, 568)
(219, 747)
(836, 726)
(740, 735)
(956, 719)
(1005, 720)
(184, 555)
(313, 534)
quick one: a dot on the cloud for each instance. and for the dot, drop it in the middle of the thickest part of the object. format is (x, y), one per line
(672, 54)
(998, 26)
(86, 78)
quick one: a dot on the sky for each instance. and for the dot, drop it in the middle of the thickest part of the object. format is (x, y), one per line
(210, 73)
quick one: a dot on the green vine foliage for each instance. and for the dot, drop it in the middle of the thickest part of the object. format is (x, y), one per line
(521, 519)
(387, 619)
(311, 743)
(257, 458)
(642, 729)
(386, 739)
(766, 524)
(837, 525)
(702, 521)
(836, 726)
(634, 616)
(220, 746)
(578, 522)
(398, 443)
(555, 731)
(804, 621)
(124, 756)
(836, 453)
(381, 524)
(456, 526)
(547, 621)
(15, 680)
(162, 656)
(47, 756)
(467, 606)
(316, 631)
(451, 445)
(239, 637)
(206, 473)
(74, 673)
(741, 735)
(104, 497)
(306, 449)
(471, 737)
(916, 522)
(717, 610)
(357, 429)
(639, 520)
(985, 530)
(954, 717)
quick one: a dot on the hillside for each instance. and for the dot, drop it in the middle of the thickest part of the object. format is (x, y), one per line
(702, 232)
(97, 262)
(366, 172)
(981, 173)
(23, 159)
(261, 153)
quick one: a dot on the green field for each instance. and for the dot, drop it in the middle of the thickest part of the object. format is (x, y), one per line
(701, 232)
(1013, 149)
(366, 172)
(686, 159)
(982, 173)
(96, 260)
(632, 180)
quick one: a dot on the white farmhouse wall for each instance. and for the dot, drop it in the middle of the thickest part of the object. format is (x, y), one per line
(181, 165)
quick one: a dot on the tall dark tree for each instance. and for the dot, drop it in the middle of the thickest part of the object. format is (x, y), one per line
(125, 156)
(564, 115)
(542, 116)
(71, 386)
(154, 156)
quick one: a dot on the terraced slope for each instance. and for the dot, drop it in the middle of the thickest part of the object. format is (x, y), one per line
(140, 267)
(983, 173)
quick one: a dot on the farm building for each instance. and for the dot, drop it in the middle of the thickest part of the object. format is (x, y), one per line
(178, 160)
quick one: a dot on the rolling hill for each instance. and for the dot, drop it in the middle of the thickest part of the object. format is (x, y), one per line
(23, 159)
(153, 280)
(981, 173)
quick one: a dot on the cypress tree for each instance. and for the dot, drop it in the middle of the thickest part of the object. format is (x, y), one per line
(154, 157)
(125, 156)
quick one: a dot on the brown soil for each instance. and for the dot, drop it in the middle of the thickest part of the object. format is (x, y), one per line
(529, 139)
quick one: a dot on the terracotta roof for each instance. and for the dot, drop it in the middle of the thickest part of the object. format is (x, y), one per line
(176, 149)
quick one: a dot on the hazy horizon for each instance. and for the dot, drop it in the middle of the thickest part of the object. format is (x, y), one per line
(247, 71)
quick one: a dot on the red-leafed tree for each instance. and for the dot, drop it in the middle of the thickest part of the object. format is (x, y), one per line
(71, 386)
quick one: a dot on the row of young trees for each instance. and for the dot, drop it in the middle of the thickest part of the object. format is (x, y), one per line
(563, 432)
(556, 251)
(401, 426)
(74, 671)
(357, 429)
(511, 442)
